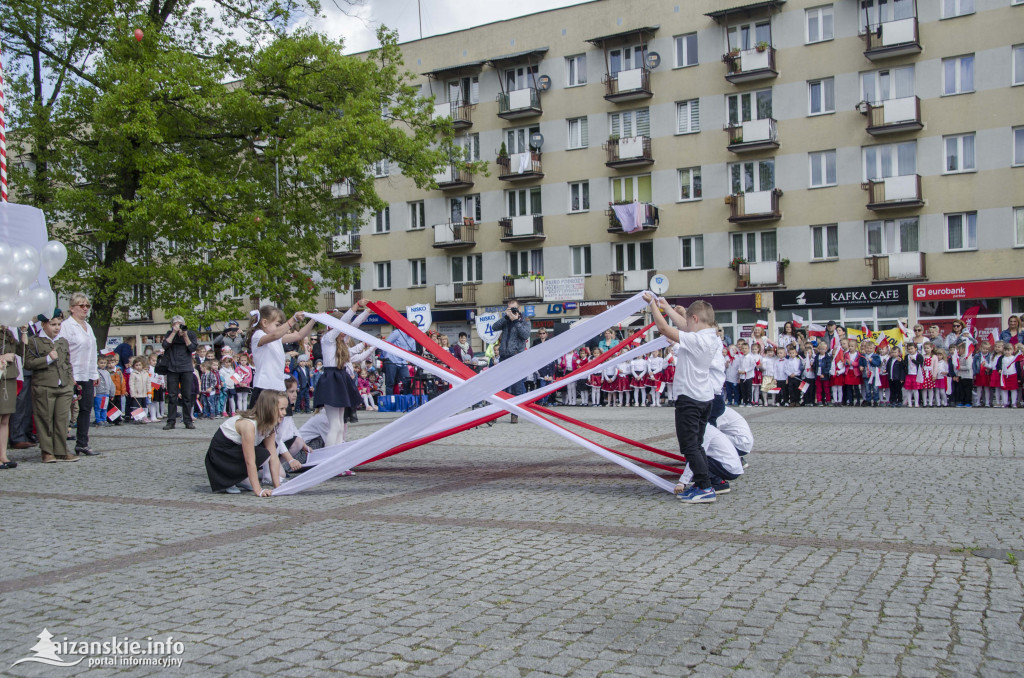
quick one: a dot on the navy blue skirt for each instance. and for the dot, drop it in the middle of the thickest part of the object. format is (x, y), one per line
(336, 388)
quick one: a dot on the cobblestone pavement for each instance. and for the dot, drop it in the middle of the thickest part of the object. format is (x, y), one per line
(506, 551)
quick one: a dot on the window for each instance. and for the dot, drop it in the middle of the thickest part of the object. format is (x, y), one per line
(576, 70)
(686, 50)
(822, 96)
(466, 207)
(579, 136)
(825, 242)
(381, 168)
(875, 12)
(1018, 65)
(823, 169)
(579, 196)
(627, 58)
(523, 202)
(688, 116)
(886, 84)
(417, 216)
(692, 250)
(959, 153)
(1018, 226)
(580, 256)
(633, 256)
(417, 272)
(819, 24)
(958, 75)
(890, 160)
(955, 8)
(518, 140)
(382, 275)
(470, 145)
(526, 262)
(520, 77)
(382, 221)
(467, 269)
(632, 189)
(962, 231)
(464, 90)
(749, 35)
(892, 236)
(755, 246)
(749, 106)
(630, 123)
(689, 184)
(752, 176)
(1018, 146)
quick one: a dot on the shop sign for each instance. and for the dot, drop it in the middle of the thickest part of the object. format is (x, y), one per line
(984, 289)
(842, 296)
(563, 289)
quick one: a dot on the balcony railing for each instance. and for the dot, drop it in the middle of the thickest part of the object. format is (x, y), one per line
(520, 166)
(344, 246)
(523, 289)
(753, 135)
(455, 293)
(342, 299)
(628, 85)
(748, 65)
(754, 207)
(893, 115)
(649, 218)
(760, 274)
(460, 113)
(892, 38)
(629, 152)
(519, 103)
(894, 193)
(453, 177)
(630, 282)
(897, 266)
(452, 235)
(525, 228)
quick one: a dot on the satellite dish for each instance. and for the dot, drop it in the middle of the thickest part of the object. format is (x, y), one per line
(659, 283)
(653, 60)
(544, 83)
(536, 140)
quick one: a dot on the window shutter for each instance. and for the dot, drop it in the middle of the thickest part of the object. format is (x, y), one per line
(643, 122)
(584, 133)
(644, 188)
(695, 115)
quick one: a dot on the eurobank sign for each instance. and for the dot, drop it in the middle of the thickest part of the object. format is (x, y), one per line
(983, 289)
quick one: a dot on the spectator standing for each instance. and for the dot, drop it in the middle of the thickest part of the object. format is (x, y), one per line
(1013, 333)
(21, 437)
(957, 336)
(82, 344)
(230, 338)
(395, 366)
(178, 345)
(515, 335)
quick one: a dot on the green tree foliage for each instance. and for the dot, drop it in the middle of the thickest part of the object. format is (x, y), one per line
(200, 166)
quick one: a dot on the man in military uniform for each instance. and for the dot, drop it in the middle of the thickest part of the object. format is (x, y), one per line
(53, 388)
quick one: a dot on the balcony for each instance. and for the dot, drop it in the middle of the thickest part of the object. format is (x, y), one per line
(342, 189)
(894, 193)
(619, 213)
(527, 228)
(452, 236)
(520, 166)
(750, 65)
(519, 103)
(629, 152)
(628, 85)
(461, 114)
(630, 282)
(453, 177)
(523, 289)
(760, 275)
(455, 294)
(900, 266)
(892, 39)
(893, 115)
(753, 135)
(758, 206)
(344, 247)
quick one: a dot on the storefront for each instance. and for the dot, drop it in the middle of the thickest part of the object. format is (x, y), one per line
(942, 303)
(878, 306)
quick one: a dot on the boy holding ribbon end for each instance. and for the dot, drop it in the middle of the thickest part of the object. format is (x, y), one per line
(696, 345)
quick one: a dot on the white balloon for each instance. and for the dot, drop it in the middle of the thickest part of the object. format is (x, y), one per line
(8, 287)
(25, 272)
(29, 253)
(23, 313)
(53, 256)
(6, 255)
(40, 299)
(8, 313)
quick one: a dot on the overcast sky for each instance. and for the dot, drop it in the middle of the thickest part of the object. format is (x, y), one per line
(359, 21)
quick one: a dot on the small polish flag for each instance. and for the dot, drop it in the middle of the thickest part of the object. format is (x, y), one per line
(138, 414)
(236, 378)
(884, 342)
(199, 403)
(864, 330)
(113, 414)
(107, 351)
(104, 402)
(903, 329)
(798, 322)
(803, 386)
(816, 330)
(763, 324)
(775, 391)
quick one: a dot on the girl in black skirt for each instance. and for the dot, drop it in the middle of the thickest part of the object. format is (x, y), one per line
(243, 443)
(336, 391)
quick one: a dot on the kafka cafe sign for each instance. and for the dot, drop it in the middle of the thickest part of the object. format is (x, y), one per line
(842, 296)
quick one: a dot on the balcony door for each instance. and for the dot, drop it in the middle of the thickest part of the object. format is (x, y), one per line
(526, 262)
(464, 90)
(632, 189)
(518, 140)
(890, 160)
(755, 247)
(874, 12)
(892, 236)
(749, 106)
(626, 58)
(466, 206)
(752, 176)
(633, 256)
(886, 84)
(628, 124)
(520, 77)
(524, 201)
(748, 35)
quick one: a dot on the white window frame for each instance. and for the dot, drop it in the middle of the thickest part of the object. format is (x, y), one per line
(417, 215)
(820, 13)
(957, 143)
(520, 77)
(876, 12)
(829, 235)
(472, 268)
(382, 168)
(688, 110)
(417, 273)
(823, 86)
(755, 240)
(576, 65)
(757, 173)
(523, 199)
(524, 262)
(968, 222)
(579, 133)
(630, 187)
(887, 79)
(880, 151)
(681, 49)
(628, 256)
(1018, 159)
(958, 75)
(959, 8)
(580, 260)
(752, 98)
(696, 243)
(470, 142)
(820, 159)
(468, 205)
(629, 57)
(460, 87)
(1018, 225)
(1017, 66)
(517, 139)
(582, 190)
(633, 123)
(381, 269)
(382, 220)
(690, 174)
(890, 234)
(745, 35)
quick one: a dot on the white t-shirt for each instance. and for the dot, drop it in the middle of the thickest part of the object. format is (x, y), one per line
(736, 429)
(82, 343)
(717, 446)
(269, 358)
(717, 372)
(229, 430)
(696, 351)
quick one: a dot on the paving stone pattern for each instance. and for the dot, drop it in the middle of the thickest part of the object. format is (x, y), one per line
(507, 551)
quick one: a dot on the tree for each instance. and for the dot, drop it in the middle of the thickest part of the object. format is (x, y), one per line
(195, 166)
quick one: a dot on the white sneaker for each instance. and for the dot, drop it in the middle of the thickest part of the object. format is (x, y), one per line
(233, 490)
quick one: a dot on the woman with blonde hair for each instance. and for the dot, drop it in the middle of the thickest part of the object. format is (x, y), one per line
(82, 345)
(243, 443)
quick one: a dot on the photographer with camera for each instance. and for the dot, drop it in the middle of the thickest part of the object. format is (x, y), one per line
(515, 334)
(179, 344)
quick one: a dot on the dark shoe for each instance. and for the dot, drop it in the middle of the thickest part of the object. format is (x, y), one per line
(188, 424)
(720, 486)
(169, 426)
(32, 438)
(8, 464)
(23, 445)
(87, 451)
(515, 419)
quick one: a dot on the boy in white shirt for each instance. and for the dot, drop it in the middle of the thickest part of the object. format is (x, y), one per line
(697, 345)
(745, 364)
(793, 368)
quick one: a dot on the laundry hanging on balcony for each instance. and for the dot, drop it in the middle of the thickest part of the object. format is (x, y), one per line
(633, 216)
(524, 162)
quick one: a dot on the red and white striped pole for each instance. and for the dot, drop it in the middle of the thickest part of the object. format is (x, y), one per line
(3, 135)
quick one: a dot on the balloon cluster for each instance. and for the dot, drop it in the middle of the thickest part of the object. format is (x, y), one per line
(22, 298)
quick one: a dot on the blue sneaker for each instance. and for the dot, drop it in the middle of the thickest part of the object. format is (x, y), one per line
(695, 495)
